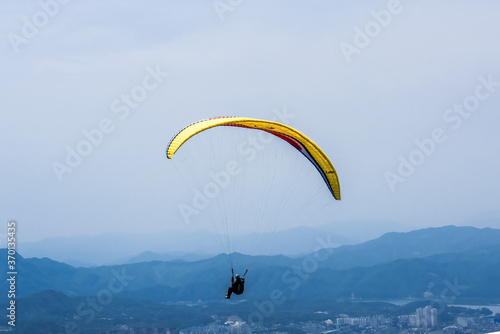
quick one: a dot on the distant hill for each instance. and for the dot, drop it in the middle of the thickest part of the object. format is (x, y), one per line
(178, 245)
(124, 247)
(397, 265)
(450, 277)
(415, 244)
(149, 256)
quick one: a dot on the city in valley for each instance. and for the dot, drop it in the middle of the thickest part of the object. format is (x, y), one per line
(452, 320)
(424, 320)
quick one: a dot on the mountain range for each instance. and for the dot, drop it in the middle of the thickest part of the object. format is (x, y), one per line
(437, 266)
(196, 245)
(415, 264)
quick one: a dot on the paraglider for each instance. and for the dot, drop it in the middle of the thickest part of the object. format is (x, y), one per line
(237, 286)
(229, 182)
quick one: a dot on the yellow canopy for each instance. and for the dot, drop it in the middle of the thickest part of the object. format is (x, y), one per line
(295, 138)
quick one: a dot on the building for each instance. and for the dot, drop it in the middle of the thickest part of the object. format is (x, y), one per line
(427, 317)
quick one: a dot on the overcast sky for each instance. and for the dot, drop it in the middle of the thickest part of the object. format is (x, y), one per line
(403, 96)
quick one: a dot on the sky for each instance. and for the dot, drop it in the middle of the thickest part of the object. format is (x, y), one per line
(403, 96)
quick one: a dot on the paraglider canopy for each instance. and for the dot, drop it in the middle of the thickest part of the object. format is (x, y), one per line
(295, 138)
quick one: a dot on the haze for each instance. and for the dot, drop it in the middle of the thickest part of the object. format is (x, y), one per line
(402, 96)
